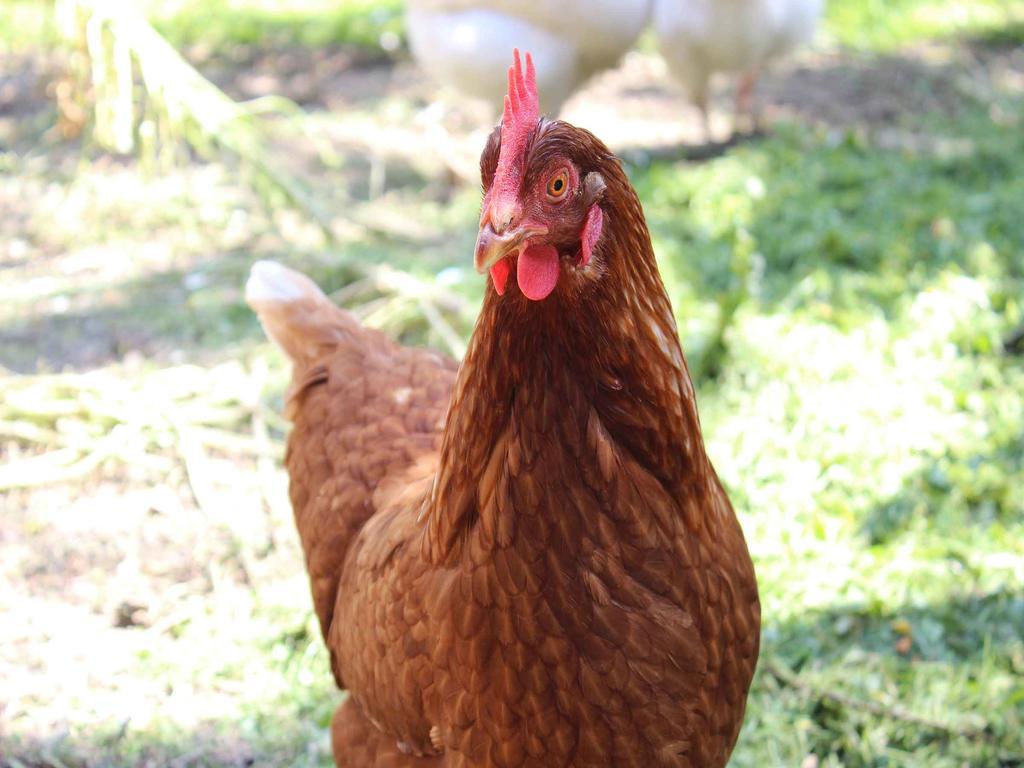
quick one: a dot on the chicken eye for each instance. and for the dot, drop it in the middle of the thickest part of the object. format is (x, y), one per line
(557, 185)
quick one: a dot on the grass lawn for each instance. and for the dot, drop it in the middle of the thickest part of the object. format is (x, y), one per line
(851, 300)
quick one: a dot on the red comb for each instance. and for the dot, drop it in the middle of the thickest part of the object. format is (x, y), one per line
(521, 106)
(518, 121)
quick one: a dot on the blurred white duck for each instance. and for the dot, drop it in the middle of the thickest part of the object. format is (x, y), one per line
(466, 43)
(738, 37)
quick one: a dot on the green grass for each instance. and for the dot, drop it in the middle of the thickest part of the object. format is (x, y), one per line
(217, 23)
(373, 25)
(843, 298)
(884, 25)
(26, 25)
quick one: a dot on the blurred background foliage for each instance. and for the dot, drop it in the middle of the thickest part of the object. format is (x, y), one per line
(850, 291)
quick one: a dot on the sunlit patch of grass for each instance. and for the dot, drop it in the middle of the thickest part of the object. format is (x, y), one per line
(26, 24)
(371, 24)
(882, 25)
(375, 25)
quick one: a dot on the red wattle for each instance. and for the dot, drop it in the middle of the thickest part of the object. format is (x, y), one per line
(591, 233)
(499, 274)
(537, 273)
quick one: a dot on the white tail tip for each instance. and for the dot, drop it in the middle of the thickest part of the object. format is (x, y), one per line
(272, 282)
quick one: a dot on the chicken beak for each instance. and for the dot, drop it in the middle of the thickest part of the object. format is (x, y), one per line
(492, 247)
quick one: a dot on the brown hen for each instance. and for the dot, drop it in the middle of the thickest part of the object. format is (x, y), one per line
(525, 560)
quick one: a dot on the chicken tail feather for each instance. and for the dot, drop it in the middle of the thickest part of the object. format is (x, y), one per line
(296, 314)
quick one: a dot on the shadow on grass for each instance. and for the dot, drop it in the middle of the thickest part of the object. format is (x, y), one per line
(973, 488)
(157, 316)
(864, 222)
(334, 78)
(870, 681)
(174, 315)
(1010, 35)
(967, 628)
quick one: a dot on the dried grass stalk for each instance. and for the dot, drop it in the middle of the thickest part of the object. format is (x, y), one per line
(119, 43)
